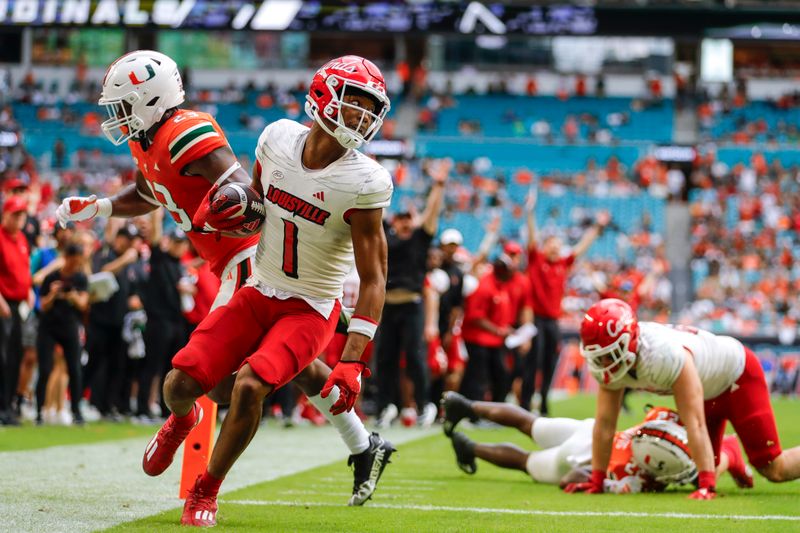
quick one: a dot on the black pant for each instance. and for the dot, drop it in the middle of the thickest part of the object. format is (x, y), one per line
(543, 356)
(66, 335)
(105, 372)
(162, 340)
(400, 332)
(10, 356)
(485, 369)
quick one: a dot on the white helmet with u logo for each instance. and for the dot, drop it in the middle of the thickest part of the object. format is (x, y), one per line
(138, 89)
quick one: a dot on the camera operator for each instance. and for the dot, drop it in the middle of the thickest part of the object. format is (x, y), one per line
(64, 298)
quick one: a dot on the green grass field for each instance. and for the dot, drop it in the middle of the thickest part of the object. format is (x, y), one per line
(424, 491)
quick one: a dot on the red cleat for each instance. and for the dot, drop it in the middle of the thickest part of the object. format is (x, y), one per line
(200, 508)
(738, 469)
(161, 450)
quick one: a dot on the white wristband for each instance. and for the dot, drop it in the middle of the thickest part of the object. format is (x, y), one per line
(104, 207)
(225, 175)
(363, 325)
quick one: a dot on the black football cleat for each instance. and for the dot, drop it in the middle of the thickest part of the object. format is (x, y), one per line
(465, 452)
(456, 408)
(368, 467)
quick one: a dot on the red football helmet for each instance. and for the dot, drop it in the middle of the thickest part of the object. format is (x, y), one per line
(325, 100)
(609, 337)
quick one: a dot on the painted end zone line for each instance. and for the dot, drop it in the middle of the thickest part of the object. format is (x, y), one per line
(526, 512)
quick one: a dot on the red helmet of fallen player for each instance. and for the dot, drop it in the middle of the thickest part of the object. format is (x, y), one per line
(609, 337)
(340, 77)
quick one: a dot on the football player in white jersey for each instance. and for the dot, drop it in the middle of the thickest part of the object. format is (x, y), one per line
(324, 202)
(566, 444)
(713, 379)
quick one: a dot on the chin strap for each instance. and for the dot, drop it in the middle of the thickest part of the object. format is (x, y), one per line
(347, 139)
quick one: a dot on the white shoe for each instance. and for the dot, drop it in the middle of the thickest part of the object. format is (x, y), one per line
(155, 409)
(428, 416)
(49, 416)
(408, 416)
(64, 417)
(90, 412)
(387, 416)
(27, 412)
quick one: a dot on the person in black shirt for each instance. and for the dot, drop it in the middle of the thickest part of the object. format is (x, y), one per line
(166, 330)
(104, 373)
(451, 306)
(402, 323)
(64, 298)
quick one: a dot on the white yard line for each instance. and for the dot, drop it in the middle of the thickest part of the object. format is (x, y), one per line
(95, 486)
(525, 512)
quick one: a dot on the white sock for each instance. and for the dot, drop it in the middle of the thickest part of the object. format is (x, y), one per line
(349, 426)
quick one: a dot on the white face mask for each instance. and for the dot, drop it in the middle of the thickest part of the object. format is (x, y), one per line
(122, 124)
(609, 363)
(350, 138)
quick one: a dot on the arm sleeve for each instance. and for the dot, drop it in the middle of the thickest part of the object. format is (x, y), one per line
(569, 260)
(194, 138)
(376, 191)
(261, 145)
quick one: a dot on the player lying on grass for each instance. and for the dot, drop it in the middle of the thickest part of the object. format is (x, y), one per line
(182, 155)
(713, 378)
(646, 457)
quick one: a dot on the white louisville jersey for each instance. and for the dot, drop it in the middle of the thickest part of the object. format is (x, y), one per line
(306, 247)
(662, 352)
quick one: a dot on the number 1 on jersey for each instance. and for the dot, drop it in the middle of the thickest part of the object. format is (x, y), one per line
(289, 248)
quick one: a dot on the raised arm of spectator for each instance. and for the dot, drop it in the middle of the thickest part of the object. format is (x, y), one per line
(488, 242)
(530, 208)
(111, 229)
(602, 220)
(647, 284)
(430, 217)
(130, 256)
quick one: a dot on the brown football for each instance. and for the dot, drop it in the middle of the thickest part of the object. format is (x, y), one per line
(250, 202)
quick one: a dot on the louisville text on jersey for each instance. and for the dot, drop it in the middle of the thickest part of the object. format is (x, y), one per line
(297, 206)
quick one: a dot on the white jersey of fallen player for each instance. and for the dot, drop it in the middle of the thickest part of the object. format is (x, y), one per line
(662, 352)
(306, 247)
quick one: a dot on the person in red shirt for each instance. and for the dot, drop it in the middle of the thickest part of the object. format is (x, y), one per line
(490, 314)
(547, 272)
(16, 298)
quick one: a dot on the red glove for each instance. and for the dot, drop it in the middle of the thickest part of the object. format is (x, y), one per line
(206, 218)
(593, 486)
(347, 376)
(706, 486)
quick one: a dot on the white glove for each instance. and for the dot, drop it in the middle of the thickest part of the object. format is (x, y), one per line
(78, 208)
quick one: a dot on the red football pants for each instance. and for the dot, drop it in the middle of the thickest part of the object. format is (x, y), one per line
(746, 404)
(277, 338)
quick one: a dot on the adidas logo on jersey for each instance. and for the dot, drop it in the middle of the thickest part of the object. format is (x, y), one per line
(320, 195)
